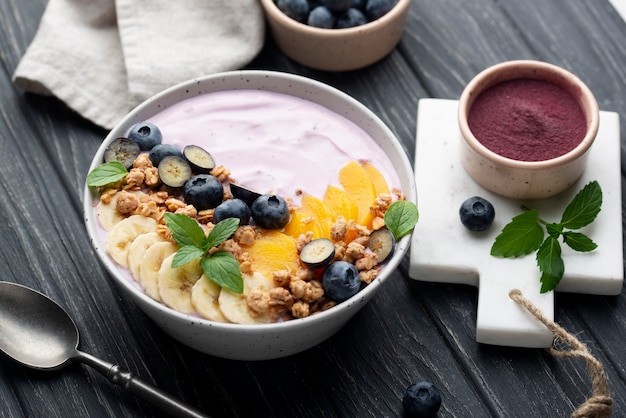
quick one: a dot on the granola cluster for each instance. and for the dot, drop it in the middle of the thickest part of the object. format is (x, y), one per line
(297, 294)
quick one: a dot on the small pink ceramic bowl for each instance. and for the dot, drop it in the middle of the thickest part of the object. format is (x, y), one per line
(526, 179)
(337, 49)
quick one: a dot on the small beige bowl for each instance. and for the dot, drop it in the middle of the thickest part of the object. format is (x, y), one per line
(526, 179)
(337, 49)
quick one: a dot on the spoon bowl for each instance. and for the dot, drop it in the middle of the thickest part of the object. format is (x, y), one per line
(47, 345)
(36, 332)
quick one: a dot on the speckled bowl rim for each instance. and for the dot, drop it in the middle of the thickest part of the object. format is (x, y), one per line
(271, 7)
(481, 82)
(169, 95)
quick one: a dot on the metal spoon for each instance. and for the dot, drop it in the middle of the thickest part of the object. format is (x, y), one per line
(38, 333)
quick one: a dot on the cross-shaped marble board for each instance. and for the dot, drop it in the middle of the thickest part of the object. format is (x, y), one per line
(443, 250)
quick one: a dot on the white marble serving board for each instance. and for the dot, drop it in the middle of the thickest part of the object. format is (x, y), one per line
(443, 250)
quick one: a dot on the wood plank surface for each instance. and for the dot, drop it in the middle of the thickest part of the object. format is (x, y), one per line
(410, 331)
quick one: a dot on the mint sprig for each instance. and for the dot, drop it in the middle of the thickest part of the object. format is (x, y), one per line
(525, 234)
(401, 217)
(220, 267)
(106, 173)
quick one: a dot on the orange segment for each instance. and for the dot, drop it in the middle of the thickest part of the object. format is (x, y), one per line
(273, 251)
(313, 216)
(358, 185)
(380, 184)
(298, 224)
(340, 203)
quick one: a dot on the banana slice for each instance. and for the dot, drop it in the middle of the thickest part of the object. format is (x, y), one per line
(150, 265)
(175, 284)
(138, 248)
(124, 233)
(204, 298)
(108, 214)
(234, 306)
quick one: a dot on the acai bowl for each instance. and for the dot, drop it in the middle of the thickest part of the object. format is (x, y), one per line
(281, 336)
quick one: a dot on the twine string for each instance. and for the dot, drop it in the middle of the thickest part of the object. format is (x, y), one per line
(600, 404)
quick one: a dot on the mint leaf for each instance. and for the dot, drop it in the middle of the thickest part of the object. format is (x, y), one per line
(223, 268)
(185, 230)
(584, 208)
(106, 173)
(521, 236)
(401, 217)
(221, 232)
(550, 264)
(554, 230)
(524, 235)
(579, 242)
(186, 254)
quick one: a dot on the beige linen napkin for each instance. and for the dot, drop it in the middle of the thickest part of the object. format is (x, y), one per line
(104, 57)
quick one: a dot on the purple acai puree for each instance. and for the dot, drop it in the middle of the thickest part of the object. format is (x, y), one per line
(527, 120)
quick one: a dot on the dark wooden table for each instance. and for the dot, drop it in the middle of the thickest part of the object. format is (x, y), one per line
(410, 331)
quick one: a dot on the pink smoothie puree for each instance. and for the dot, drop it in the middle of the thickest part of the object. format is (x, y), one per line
(272, 142)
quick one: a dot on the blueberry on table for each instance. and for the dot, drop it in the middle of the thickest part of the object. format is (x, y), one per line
(203, 191)
(321, 17)
(421, 400)
(232, 208)
(318, 253)
(295, 9)
(341, 280)
(477, 213)
(174, 171)
(160, 151)
(123, 151)
(270, 211)
(200, 160)
(145, 134)
(351, 18)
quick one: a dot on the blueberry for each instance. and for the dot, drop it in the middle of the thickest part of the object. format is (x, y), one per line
(341, 280)
(382, 243)
(174, 171)
(203, 191)
(337, 5)
(232, 208)
(295, 9)
(270, 212)
(123, 151)
(146, 135)
(321, 17)
(199, 159)
(377, 8)
(160, 151)
(247, 195)
(350, 18)
(477, 214)
(421, 400)
(318, 253)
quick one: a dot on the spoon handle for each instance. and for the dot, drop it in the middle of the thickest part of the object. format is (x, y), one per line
(138, 387)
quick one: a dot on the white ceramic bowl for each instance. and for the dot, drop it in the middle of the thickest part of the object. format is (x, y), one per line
(263, 341)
